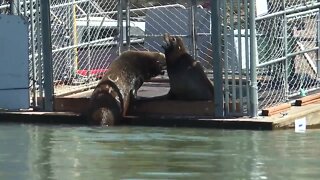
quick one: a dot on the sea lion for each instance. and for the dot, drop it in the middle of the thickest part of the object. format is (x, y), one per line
(110, 99)
(187, 78)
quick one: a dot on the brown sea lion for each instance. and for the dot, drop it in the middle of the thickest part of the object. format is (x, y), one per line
(110, 99)
(188, 80)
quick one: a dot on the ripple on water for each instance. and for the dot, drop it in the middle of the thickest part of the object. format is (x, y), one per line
(156, 153)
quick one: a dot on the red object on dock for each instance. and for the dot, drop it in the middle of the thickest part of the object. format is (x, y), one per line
(93, 72)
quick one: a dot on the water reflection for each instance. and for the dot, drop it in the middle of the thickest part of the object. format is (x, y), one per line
(40, 152)
(55, 152)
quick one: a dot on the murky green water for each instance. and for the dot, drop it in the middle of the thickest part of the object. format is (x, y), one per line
(56, 152)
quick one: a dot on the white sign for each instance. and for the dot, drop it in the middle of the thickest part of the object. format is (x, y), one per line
(300, 125)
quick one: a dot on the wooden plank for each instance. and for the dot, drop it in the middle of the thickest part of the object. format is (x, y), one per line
(143, 107)
(276, 109)
(169, 107)
(314, 101)
(303, 100)
(76, 105)
(271, 113)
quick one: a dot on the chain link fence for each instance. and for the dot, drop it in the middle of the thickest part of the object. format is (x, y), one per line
(84, 40)
(189, 20)
(287, 45)
(88, 34)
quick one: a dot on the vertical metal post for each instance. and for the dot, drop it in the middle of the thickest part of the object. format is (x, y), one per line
(14, 7)
(216, 54)
(246, 37)
(74, 40)
(128, 24)
(285, 41)
(240, 55)
(226, 58)
(25, 7)
(69, 53)
(33, 58)
(253, 65)
(193, 28)
(39, 57)
(47, 54)
(120, 27)
(233, 68)
(89, 39)
(318, 43)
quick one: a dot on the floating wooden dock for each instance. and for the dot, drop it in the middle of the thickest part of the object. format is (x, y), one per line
(165, 113)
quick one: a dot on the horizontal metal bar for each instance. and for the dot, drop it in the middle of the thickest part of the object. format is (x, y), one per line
(271, 62)
(186, 35)
(112, 43)
(55, 6)
(283, 58)
(161, 35)
(290, 11)
(142, 9)
(315, 11)
(69, 3)
(205, 34)
(4, 6)
(302, 52)
(82, 44)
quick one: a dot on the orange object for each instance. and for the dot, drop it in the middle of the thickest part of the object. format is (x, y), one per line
(276, 109)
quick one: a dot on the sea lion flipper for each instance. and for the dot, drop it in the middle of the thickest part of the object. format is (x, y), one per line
(117, 89)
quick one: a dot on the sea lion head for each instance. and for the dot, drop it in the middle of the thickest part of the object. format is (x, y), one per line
(173, 47)
(158, 66)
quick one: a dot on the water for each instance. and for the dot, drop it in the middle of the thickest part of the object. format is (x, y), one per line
(60, 152)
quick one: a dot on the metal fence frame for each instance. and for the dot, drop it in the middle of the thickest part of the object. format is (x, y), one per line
(285, 14)
(234, 44)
